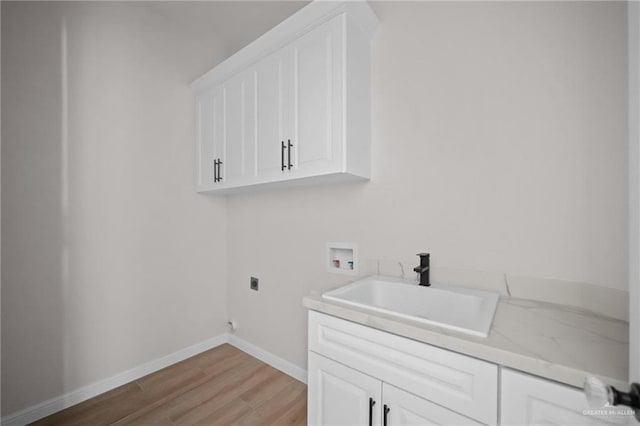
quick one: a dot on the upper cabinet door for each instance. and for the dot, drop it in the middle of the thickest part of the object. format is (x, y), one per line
(209, 136)
(313, 99)
(239, 112)
(270, 93)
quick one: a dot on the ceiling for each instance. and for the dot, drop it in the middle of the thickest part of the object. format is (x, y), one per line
(230, 24)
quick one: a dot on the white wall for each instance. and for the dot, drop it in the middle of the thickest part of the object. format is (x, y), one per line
(499, 144)
(110, 257)
(634, 189)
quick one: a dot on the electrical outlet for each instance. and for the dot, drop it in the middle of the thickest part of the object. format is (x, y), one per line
(254, 284)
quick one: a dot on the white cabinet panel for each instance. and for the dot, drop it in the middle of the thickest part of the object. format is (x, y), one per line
(318, 110)
(204, 136)
(340, 395)
(239, 129)
(405, 409)
(458, 382)
(270, 96)
(209, 135)
(529, 400)
(299, 106)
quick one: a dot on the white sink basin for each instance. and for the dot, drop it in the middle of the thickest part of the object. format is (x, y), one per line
(456, 308)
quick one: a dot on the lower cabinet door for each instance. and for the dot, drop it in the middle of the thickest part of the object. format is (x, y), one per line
(403, 408)
(529, 400)
(339, 395)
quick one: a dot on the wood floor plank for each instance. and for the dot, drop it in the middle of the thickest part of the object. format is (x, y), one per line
(104, 409)
(296, 414)
(260, 380)
(167, 375)
(285, 407)
(231, 360)
(149, 408)
(208, 358)
(227, 414)
(258, 394)
(221, 386)
(175, 383)
(189, 396)
(153, 417)
(228, 392)
(215, 388)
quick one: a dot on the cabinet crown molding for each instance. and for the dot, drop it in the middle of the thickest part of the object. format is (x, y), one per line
(317, 12)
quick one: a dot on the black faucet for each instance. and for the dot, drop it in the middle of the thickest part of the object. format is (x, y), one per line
(423, 269)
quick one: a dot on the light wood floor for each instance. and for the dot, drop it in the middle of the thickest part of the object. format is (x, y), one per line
(219, 387)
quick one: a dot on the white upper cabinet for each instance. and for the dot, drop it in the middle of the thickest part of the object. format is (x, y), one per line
(317, 112)
(270, 97)
(209, 136)
(226, 133)
(236, 164)
(293, 104)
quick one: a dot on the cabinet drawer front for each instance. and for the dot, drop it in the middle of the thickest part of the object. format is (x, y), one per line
(460, 383)
(529, 400)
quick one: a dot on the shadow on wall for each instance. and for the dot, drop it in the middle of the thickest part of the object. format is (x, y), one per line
(34, 242)
(102, 273)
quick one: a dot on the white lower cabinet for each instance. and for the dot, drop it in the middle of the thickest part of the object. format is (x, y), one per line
(419, 383)
(340, 395)
(414, 383)
(530, 400)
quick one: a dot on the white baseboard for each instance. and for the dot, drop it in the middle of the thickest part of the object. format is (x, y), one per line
(56, 404)
(59, 403)
(275, 361)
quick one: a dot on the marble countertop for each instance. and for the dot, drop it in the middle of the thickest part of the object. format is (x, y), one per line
(558, 342)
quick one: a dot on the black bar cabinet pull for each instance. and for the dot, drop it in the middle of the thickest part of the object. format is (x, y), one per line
(386, 411)
(219, 168)
(371, 404)
(290, 145)
(215, 170)
(282, 166)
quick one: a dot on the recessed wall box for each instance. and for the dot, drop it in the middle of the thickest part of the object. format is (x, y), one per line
(342, 258)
